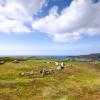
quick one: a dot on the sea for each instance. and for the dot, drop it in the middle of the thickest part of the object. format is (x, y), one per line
(38, 56)
(53, 56)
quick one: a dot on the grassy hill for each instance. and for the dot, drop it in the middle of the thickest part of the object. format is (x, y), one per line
(95, 56)
(81, 81)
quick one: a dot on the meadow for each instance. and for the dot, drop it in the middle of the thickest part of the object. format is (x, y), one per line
(81, 81)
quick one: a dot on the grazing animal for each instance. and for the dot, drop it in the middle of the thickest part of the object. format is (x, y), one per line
(56, 63)
(62, 64)
(70, 65)
(29, 74)
(2, 62)
(48, 62)
(60, 67)
(45, 72)
(15, 61)
(51, 70)
(22, 74)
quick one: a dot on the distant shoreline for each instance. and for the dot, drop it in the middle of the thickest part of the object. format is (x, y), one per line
(36, 56)
(89, 56)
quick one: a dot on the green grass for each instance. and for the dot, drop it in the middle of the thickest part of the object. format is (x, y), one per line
(79, 82)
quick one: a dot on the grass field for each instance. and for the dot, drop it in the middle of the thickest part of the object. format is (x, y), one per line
(81, 81)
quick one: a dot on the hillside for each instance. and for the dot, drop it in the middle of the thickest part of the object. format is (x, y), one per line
(81, 81)
(95, 56)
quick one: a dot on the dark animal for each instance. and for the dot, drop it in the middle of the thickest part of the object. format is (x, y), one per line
(45, 72)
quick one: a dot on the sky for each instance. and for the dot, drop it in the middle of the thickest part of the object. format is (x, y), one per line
(49, 27)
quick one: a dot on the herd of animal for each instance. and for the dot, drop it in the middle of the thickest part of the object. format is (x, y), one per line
(43, 71)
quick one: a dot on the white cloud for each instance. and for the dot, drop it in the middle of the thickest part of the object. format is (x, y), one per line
(15, 14)
(81, 18)
(8, 26)
(66, 37)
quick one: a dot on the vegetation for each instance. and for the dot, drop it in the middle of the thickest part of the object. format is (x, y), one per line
(81, 81)
(91, 57)
(9, 59)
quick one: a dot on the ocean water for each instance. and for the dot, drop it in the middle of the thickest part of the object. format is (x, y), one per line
(59, 57)
(38, 56)
(53, 56)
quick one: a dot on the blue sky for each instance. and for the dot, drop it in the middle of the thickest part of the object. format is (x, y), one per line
(49, 27)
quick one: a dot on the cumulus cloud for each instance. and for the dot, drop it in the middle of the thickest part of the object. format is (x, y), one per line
(80, 19)
(15, 14)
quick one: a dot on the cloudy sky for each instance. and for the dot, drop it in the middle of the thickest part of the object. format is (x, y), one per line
(49, 27)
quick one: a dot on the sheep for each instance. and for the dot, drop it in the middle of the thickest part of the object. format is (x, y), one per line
(56, 63)
(43, 72)
(69, 65)
(2, 62)
(51, 70)
(29, 74)
(22, 74)
(62, 64)
(48, 62)
(15, 61)
(46, 72)
(60, 67)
